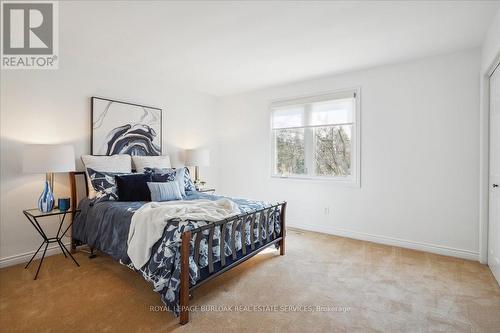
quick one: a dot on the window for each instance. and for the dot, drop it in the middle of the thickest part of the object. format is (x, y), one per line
(317, 137)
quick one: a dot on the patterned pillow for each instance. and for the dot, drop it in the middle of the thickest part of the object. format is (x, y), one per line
(161, 175)
(188, 182)
(181, 175)
(113, 163)
(104, 184)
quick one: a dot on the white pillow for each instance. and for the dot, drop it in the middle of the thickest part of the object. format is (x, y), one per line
(113, 163)
(159, 162)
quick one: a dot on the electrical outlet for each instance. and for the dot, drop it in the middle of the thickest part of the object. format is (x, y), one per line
(327, 210)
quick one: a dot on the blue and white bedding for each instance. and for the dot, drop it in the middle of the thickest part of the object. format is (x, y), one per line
(105, 225)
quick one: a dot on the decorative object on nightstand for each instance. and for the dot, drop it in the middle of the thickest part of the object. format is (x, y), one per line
(206, 190)
(32, 215)
(197, 158)
(48, 159)
(63, 204)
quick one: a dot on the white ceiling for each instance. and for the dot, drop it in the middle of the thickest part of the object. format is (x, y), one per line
(227, 47)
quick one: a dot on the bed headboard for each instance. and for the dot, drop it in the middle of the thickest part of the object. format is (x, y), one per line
(73, 182)
(76, 177)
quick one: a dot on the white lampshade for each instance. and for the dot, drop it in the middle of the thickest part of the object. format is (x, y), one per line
(48, 158)
(197, 157)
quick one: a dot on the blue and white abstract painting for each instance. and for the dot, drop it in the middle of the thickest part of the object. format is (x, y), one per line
(125, 128)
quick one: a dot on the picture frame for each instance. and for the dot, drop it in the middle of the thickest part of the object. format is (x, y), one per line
(119, 127)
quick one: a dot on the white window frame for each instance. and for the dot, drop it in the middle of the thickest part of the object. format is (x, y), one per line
(355, 178)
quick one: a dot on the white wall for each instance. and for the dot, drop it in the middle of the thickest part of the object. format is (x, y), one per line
(419, 156)
(53, 106)
(491, 46)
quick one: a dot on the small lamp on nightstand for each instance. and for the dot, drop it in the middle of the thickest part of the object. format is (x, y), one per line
(48, 159)
(197, 158)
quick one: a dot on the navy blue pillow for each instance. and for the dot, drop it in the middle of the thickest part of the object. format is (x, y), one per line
(133, 187)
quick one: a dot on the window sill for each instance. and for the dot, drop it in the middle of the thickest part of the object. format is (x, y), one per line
(347, 182)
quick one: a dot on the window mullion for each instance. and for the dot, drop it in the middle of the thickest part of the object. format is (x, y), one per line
(274, 153)
(308, 141)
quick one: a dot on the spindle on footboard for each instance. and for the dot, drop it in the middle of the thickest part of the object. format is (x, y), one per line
(261, 233)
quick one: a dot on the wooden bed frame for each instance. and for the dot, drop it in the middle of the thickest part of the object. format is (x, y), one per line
(233, 224)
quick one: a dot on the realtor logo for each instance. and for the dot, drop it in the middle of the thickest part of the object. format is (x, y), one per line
(29, 35)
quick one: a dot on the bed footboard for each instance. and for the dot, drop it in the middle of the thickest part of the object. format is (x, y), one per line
(261, 220)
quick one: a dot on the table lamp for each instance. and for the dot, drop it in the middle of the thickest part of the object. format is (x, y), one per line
(48, 159)
(197, 158)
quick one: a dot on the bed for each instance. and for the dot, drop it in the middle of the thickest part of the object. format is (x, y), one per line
(190, 252)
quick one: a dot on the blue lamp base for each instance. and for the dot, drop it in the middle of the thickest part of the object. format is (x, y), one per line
(46, 200)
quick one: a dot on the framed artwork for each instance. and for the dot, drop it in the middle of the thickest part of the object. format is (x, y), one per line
(124, 128)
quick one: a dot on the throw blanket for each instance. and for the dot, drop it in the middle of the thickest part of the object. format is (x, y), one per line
(148, 222)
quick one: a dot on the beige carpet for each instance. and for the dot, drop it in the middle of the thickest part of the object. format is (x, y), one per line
(363, 287)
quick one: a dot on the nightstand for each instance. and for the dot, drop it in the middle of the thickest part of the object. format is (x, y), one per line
(32, 215)
(206, 190)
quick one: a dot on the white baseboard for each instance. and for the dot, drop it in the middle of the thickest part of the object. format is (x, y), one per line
(438, 249)
(25, 257)
(494, 265)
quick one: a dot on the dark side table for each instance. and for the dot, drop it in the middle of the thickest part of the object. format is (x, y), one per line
(32, 215)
